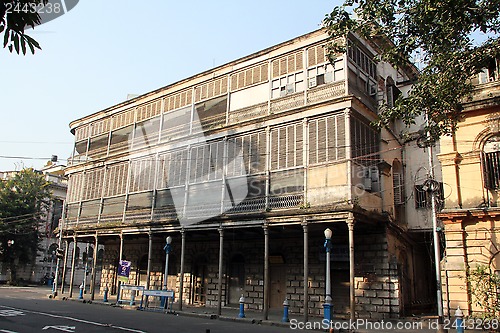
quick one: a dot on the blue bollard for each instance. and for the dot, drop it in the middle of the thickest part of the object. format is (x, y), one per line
(81, 292)
(459, 320)
(327, 308)
(285, 318)
(242, 307)
(105, 298)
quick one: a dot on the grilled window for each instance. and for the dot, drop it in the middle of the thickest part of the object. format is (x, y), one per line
(491, 163)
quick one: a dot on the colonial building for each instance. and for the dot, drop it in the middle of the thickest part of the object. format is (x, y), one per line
(471, 174)
(43, 266)
(245, 166)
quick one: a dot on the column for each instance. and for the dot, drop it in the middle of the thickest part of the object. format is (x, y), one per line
(73, 263)
(94, 264)
(219, 283)
(120, 257)
(150, 254)
(65, 263)
(181, 282)
(266, 272)
(352, 286)
(306, 272)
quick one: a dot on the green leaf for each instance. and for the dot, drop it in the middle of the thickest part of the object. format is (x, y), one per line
(33, 42)
(16, 43)
(23, 45)
(6, 38)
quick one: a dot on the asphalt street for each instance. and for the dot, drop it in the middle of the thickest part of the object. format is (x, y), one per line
(27, 310)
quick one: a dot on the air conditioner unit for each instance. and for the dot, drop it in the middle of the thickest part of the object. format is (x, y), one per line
(312, 82)
(367, 179)
(367, 183)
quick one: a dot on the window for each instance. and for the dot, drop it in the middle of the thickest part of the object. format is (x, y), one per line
(398, 184)
(320, 75)
(364, 141)
(327, 139)
(362, 60)
(371, 178)
(490, 73)
(392, 93)
(423, 195)
(287, 85)
(286, 146)
(491, 163)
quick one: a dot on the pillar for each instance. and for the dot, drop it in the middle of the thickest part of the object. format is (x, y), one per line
(183, 253)
(306, 272)
(266, 272)
(120, 257)
(73, 264)
(352, 286)
(94, 270)
(65, 263)
(150, 255)
(219, 283)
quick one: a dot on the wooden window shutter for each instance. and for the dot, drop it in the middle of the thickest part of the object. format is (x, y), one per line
(397, 179)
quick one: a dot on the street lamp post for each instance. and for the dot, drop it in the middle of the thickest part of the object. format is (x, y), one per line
(327, 306)
(167, 249)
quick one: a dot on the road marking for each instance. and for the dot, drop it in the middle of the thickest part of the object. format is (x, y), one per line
(7, 331)
(10, 313)
(61, 328)
(74, 319)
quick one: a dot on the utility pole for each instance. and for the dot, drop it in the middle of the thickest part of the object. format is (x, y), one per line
(432, 188)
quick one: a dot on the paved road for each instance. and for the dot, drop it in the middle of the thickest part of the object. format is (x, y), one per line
(27, 310)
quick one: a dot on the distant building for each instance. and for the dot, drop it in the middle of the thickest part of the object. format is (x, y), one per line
(245, 166)
(470, 162)
(43, 266)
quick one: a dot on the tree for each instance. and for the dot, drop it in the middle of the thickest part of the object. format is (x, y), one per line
(24, 199)
(16, 16)
(441, 33)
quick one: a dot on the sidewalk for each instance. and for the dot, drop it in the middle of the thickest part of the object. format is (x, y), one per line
(403, 325)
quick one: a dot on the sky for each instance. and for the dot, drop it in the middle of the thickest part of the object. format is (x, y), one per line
(93, 56)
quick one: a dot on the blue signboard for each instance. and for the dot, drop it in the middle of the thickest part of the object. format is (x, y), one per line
(124, 271)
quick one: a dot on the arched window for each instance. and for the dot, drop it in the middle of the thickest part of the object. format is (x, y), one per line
(392, 92)
(491, 163)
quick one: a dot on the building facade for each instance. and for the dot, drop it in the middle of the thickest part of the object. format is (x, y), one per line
(470, 166)
(42, 269)
(245, 166)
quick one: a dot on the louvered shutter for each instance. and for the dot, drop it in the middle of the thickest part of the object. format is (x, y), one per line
(397, 180)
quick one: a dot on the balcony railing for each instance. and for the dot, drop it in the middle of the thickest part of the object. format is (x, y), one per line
(251, 205)
(325, 92)
(251, 112)
(287, 103)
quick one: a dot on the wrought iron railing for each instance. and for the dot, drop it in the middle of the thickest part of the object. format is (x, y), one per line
(286, 201)
(248, 205)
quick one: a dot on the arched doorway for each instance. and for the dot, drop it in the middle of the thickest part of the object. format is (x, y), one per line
(236, 279)
(199, 280)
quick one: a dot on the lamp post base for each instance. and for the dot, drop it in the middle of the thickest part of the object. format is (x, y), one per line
(327, 311)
